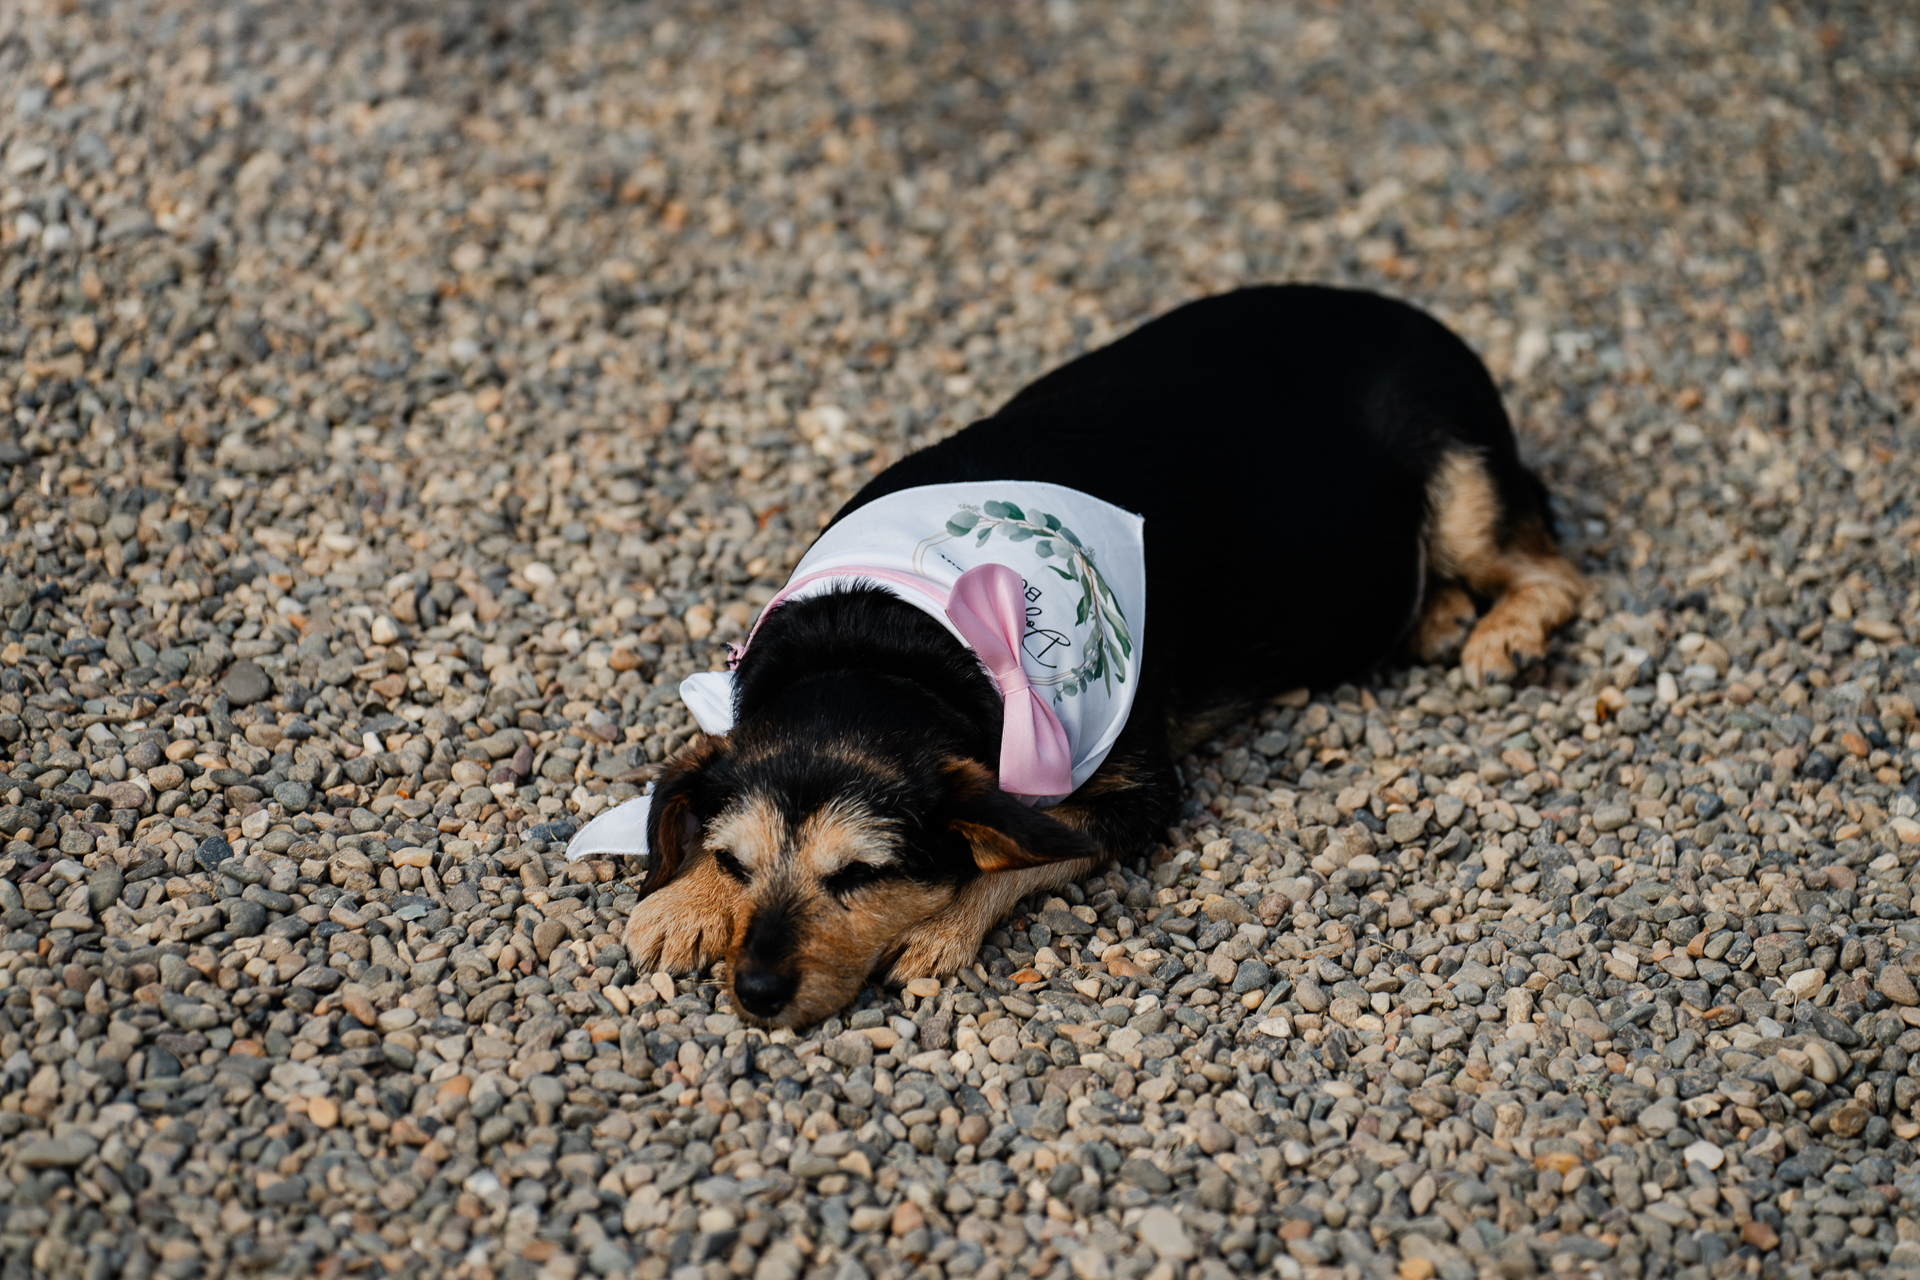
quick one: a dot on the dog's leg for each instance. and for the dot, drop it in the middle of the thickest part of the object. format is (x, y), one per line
(686, 924)
(1533, 587)
(1124, 806)
(1444, 624)
(951, 939)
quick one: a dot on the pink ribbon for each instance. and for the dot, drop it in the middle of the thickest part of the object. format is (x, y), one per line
(988, 608)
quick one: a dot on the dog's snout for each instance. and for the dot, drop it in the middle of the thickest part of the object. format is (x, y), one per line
(763, 982)
(764, 992)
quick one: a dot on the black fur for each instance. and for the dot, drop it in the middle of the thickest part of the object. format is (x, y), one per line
(1279, 442)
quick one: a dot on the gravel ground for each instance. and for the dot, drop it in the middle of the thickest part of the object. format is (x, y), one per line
(402, 404)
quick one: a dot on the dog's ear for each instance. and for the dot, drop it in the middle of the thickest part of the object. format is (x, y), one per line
(673, 821)
(1005, 834)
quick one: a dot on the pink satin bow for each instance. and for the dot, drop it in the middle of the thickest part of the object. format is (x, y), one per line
(988, 608)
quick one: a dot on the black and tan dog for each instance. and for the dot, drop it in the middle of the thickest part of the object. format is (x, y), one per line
(1328, 479)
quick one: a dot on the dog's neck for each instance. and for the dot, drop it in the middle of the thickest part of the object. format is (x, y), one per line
(871, 633)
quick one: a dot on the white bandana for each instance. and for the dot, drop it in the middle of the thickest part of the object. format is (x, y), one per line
(1083, 566)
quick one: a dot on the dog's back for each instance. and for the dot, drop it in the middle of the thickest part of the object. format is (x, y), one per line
(1289, 447)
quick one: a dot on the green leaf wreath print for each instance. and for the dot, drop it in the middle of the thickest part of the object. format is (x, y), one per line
(1111, 644)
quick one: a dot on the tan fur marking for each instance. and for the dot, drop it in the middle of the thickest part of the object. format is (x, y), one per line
(1111, 778)
(689, 923)
(1533, 587)
(993, 851)
(839, 834)
(844, 942)
(752, 830)
(1465, 515)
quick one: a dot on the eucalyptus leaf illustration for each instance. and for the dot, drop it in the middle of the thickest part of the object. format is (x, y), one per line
(1111, 644)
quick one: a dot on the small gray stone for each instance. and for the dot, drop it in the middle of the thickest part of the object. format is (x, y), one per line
(1253, 975)
(1161, 1230)
(851, 1050)
(1895, 985)
(1425, 897)
(1611, 817)
(321, 978)
(105, 885)
(610, 1080)
(246, 683)
(245, 918)
(58, 1153)
(189, 1015)
(609, 1259)
(1065, 924)
(812, 1166)
(483, 1003)
(1405, 828)
(1143, 1174)
(294, 796)
(212, 852)
(1660, 1118)
(287, 1192)
(547, 1090)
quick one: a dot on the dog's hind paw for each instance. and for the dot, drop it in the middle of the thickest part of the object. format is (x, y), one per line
(1444, 624)
(1498, 648)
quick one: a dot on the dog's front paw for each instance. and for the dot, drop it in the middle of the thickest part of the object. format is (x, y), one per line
(685, 926)
(936, 949)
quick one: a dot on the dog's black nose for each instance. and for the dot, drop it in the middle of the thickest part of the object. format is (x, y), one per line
(763, 992)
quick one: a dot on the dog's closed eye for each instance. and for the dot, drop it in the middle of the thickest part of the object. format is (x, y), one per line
(856, 875)
(724, 859)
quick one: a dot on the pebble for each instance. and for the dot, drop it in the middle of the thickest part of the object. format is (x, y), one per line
(1161, 1230)
(57, 1153)
(246, 683)
(1706, 1154)
(1894, 983)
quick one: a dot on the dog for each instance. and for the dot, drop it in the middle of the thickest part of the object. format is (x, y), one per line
(1328, 481)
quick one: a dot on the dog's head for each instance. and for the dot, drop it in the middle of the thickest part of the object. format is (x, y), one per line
(834, 837)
